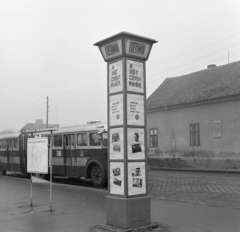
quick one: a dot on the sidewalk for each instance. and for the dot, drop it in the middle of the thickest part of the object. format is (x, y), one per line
(79, 209)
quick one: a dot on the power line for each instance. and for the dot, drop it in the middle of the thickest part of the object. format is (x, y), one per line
(194, 50)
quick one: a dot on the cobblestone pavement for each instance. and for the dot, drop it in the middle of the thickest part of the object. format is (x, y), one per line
(205, 188)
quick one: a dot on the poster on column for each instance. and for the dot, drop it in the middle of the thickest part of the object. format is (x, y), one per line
(136, 148)
(135, 76)
(117, 178)
(136, 178)
(116, 110)
(116, 143)
(115, 77)
(135, 110)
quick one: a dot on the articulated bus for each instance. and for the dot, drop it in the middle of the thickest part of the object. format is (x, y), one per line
(78, 151)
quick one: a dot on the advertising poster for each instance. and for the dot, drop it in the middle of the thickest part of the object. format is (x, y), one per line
(135, 76)
(117, 178)
(136, 148)
(116, 110)
(136, 178)
(116, 143)
(135, 110)
(115, 77)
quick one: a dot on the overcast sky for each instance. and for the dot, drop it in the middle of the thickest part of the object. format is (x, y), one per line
(46, 49)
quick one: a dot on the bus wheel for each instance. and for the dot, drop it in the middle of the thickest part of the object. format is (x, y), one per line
(97, 176)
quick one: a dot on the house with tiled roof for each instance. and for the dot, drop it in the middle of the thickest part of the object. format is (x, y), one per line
(38, 125)
(194, 120)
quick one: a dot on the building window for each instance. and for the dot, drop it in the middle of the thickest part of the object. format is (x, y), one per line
(153, 138)
(194, 135)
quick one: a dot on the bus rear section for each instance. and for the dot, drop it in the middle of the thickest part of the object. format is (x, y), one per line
(11, 147)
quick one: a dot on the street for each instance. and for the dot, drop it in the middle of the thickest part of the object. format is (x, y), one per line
(180, 202)
(198, 187)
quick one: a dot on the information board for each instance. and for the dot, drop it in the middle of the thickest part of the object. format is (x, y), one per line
(135, 76)
(136, 178)
(116, 178)
(135, 109)
(37, 155)
(115, 77)
(116, 143)
(136, 148)
(116, 110)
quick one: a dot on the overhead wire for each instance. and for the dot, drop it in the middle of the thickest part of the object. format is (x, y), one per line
(96, 99)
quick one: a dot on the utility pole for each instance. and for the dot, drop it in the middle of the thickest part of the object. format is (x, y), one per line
(47, 113)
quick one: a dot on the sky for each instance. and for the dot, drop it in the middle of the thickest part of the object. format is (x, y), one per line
(46, 50)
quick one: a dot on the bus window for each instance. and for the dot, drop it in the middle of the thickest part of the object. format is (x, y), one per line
(67, 142)
(93, 138)
(9, 143)
(15, 143)
(57, 140)
(82, 139)
(4, 144)
(73, 140)
(0, 144)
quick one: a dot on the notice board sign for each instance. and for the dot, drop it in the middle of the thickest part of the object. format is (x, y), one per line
(116, 143)
(117, 178)
(136, 178)
(116, 110)
(135, 76)
(37, 155)
(115, 77)
(135, 109)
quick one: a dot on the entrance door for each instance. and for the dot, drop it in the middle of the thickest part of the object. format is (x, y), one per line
(68, 155)
(10, 157)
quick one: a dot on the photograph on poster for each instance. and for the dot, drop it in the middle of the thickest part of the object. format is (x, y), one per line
(136, 148)
(115, 77)
(137, 182)
(116, 110)
(116, 143)
(136, 178)
(117, 178)
(135, 109)
(135, 76)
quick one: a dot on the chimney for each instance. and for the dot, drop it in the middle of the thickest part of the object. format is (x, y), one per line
(210, 66)
(39, 124)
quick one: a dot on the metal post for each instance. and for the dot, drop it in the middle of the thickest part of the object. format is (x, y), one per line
(31, 192)
(50, 160)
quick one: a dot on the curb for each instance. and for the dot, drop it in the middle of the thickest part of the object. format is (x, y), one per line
(226, 171)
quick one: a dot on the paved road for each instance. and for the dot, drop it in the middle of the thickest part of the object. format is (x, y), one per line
(79, 208)
(221, 189)
(206, 188)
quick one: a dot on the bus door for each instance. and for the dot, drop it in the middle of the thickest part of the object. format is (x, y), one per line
(68, 155)
(10, 157)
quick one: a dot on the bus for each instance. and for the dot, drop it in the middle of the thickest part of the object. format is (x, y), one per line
(77, 151)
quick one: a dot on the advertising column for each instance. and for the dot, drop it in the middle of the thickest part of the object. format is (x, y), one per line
(127, 203)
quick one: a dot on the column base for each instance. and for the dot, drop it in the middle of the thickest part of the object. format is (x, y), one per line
(128, 212)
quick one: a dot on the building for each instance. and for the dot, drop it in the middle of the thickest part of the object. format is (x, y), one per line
(193, 120)
(37, 126)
